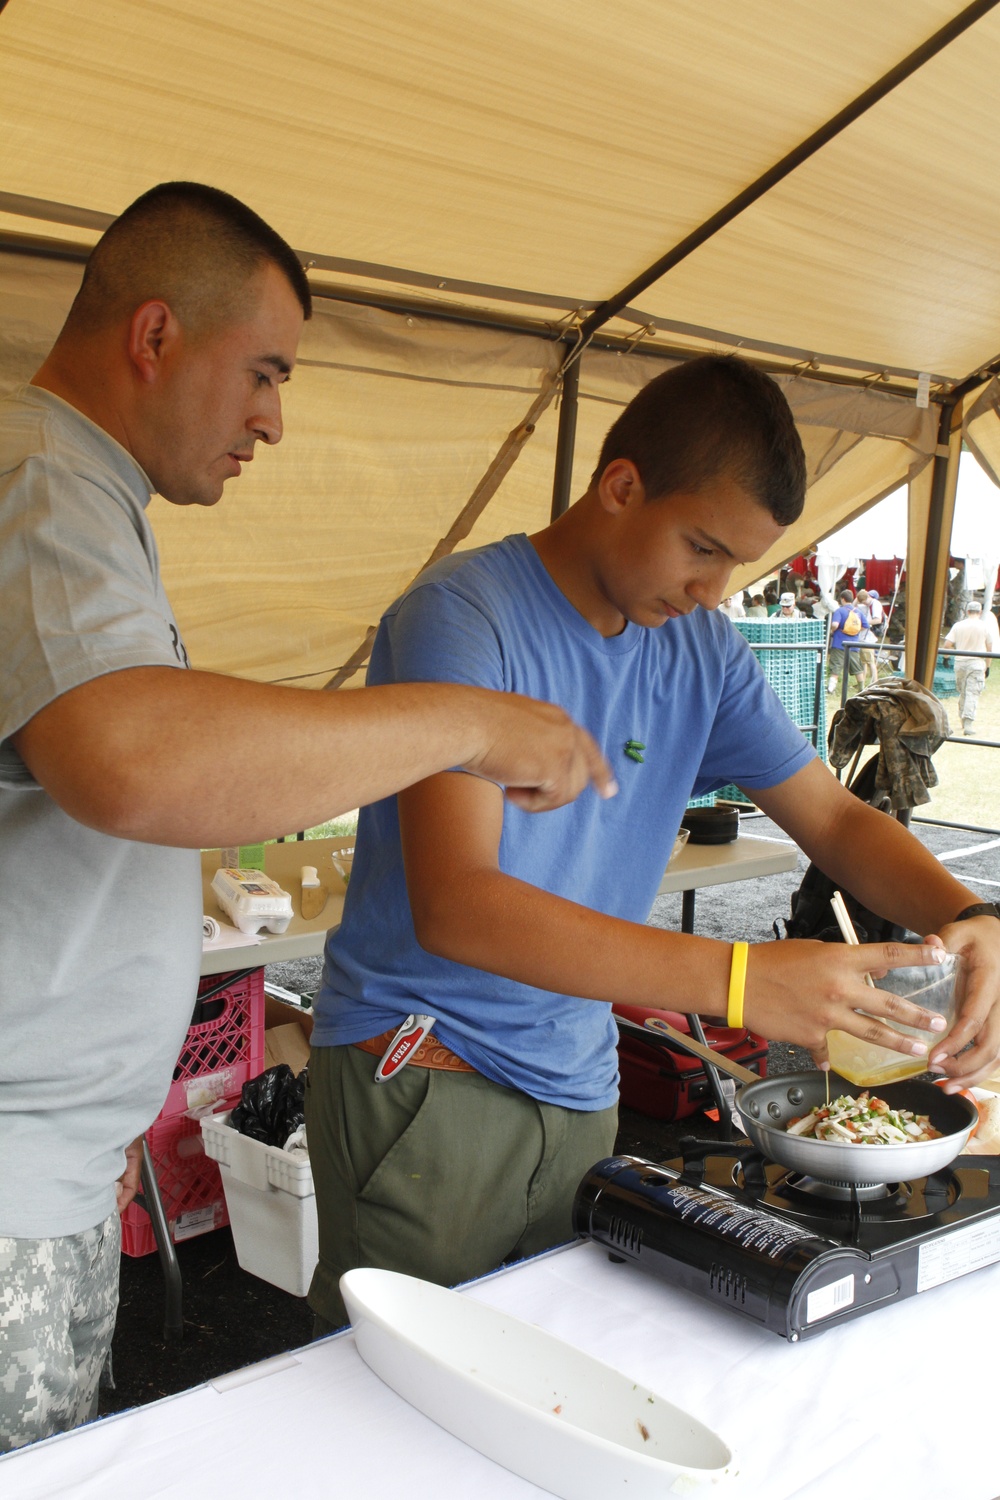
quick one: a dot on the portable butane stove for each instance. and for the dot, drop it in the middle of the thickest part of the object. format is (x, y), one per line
(793, 1253)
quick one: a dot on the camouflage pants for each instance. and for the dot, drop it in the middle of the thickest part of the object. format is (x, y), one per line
(970, 679)
(58, 1299)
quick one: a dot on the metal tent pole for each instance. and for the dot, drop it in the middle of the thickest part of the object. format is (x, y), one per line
(943, 483)
(566, 441)
(749, 195)
(799, 154)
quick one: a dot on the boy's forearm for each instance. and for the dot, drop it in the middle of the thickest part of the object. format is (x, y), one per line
(865, 851)
(795, 991)
(492, 921)
(891, 872)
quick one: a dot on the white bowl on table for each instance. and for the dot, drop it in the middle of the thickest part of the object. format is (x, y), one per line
(533, 1403)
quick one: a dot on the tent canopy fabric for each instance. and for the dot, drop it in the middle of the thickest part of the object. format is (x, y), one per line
(467, 184)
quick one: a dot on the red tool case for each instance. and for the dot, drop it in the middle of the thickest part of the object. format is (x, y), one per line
(667, 1084)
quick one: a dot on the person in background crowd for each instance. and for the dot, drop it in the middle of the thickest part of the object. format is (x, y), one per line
(757, 609)
(788, 609)
(807, 601)
(848, 623)
(119, 762)
(970, 634)
(868, 639)
(733, 607)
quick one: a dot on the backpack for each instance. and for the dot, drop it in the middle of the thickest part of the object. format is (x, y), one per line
(852, 625)
(812, 915)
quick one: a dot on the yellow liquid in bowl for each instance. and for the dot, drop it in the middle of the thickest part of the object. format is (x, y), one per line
(867, 1065)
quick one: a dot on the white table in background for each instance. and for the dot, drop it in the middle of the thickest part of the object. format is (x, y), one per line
(303, 938)
(697, 866)
(746, 858)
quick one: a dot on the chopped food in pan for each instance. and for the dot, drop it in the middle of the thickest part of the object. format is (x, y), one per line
(864, 1121)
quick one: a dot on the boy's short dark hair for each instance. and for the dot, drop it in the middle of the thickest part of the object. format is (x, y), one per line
(193, 245)
(712, 416)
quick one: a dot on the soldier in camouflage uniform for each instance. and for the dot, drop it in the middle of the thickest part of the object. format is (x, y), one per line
(53, 1369)
(165, 376)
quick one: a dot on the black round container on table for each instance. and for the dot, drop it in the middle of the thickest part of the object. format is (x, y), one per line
(711, 825)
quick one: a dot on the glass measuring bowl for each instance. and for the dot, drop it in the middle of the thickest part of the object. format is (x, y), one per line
(938, 987)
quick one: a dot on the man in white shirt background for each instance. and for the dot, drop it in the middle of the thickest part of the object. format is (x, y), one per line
(971, 634)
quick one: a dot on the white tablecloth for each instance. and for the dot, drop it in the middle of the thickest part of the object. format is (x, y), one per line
(899, 1405)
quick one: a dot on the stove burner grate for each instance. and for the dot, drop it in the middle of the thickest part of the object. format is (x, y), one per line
(843, 1192)
(821, 1198)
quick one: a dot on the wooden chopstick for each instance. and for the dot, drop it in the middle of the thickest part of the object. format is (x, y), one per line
(847, 928)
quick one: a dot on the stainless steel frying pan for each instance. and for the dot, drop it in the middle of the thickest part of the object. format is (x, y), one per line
(767, 1105)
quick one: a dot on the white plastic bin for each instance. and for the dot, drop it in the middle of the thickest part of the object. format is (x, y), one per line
(271, 1203)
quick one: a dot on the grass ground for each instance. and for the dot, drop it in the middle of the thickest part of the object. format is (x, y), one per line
(337, 828)
(968, 771)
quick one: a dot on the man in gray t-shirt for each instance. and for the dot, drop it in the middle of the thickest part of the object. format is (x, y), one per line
(164, 378)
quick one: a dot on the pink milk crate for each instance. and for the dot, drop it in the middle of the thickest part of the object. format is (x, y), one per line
(194, 1200)
(224, 1048)
(221, 1051)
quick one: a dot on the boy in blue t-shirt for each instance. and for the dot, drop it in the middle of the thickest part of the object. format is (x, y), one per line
(514, 933)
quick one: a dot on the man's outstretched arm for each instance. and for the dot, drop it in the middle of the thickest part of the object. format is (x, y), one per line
(192, 759)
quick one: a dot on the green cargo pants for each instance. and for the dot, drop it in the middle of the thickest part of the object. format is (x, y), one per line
(439, 1175)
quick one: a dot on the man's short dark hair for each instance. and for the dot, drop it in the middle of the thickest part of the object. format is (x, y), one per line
(846, 597)
(194, 246)
(711, 417)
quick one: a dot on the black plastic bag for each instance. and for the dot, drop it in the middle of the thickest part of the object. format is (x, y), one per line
(271, 1106)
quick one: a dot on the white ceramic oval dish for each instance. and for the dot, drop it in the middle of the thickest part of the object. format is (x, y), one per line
(529, 1401)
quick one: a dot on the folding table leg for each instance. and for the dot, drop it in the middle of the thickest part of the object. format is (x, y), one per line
(150, 1200)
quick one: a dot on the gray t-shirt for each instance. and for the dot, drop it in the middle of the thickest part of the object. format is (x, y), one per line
(100, 938)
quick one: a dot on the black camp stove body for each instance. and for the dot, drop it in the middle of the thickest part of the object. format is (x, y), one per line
(794, 1254)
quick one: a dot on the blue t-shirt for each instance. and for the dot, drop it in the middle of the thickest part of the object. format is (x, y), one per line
(690, 692)
(838, 639)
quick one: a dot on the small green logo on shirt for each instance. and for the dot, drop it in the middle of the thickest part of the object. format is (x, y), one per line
(634, 749)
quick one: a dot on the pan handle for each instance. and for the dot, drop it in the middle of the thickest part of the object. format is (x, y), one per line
(725, 1065)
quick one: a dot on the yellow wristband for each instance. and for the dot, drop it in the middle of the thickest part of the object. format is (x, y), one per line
(737, 984)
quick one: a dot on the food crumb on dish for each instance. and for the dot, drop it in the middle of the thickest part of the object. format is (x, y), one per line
(643, 1430)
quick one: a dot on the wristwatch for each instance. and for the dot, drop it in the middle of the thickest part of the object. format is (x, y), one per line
(980, 909)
